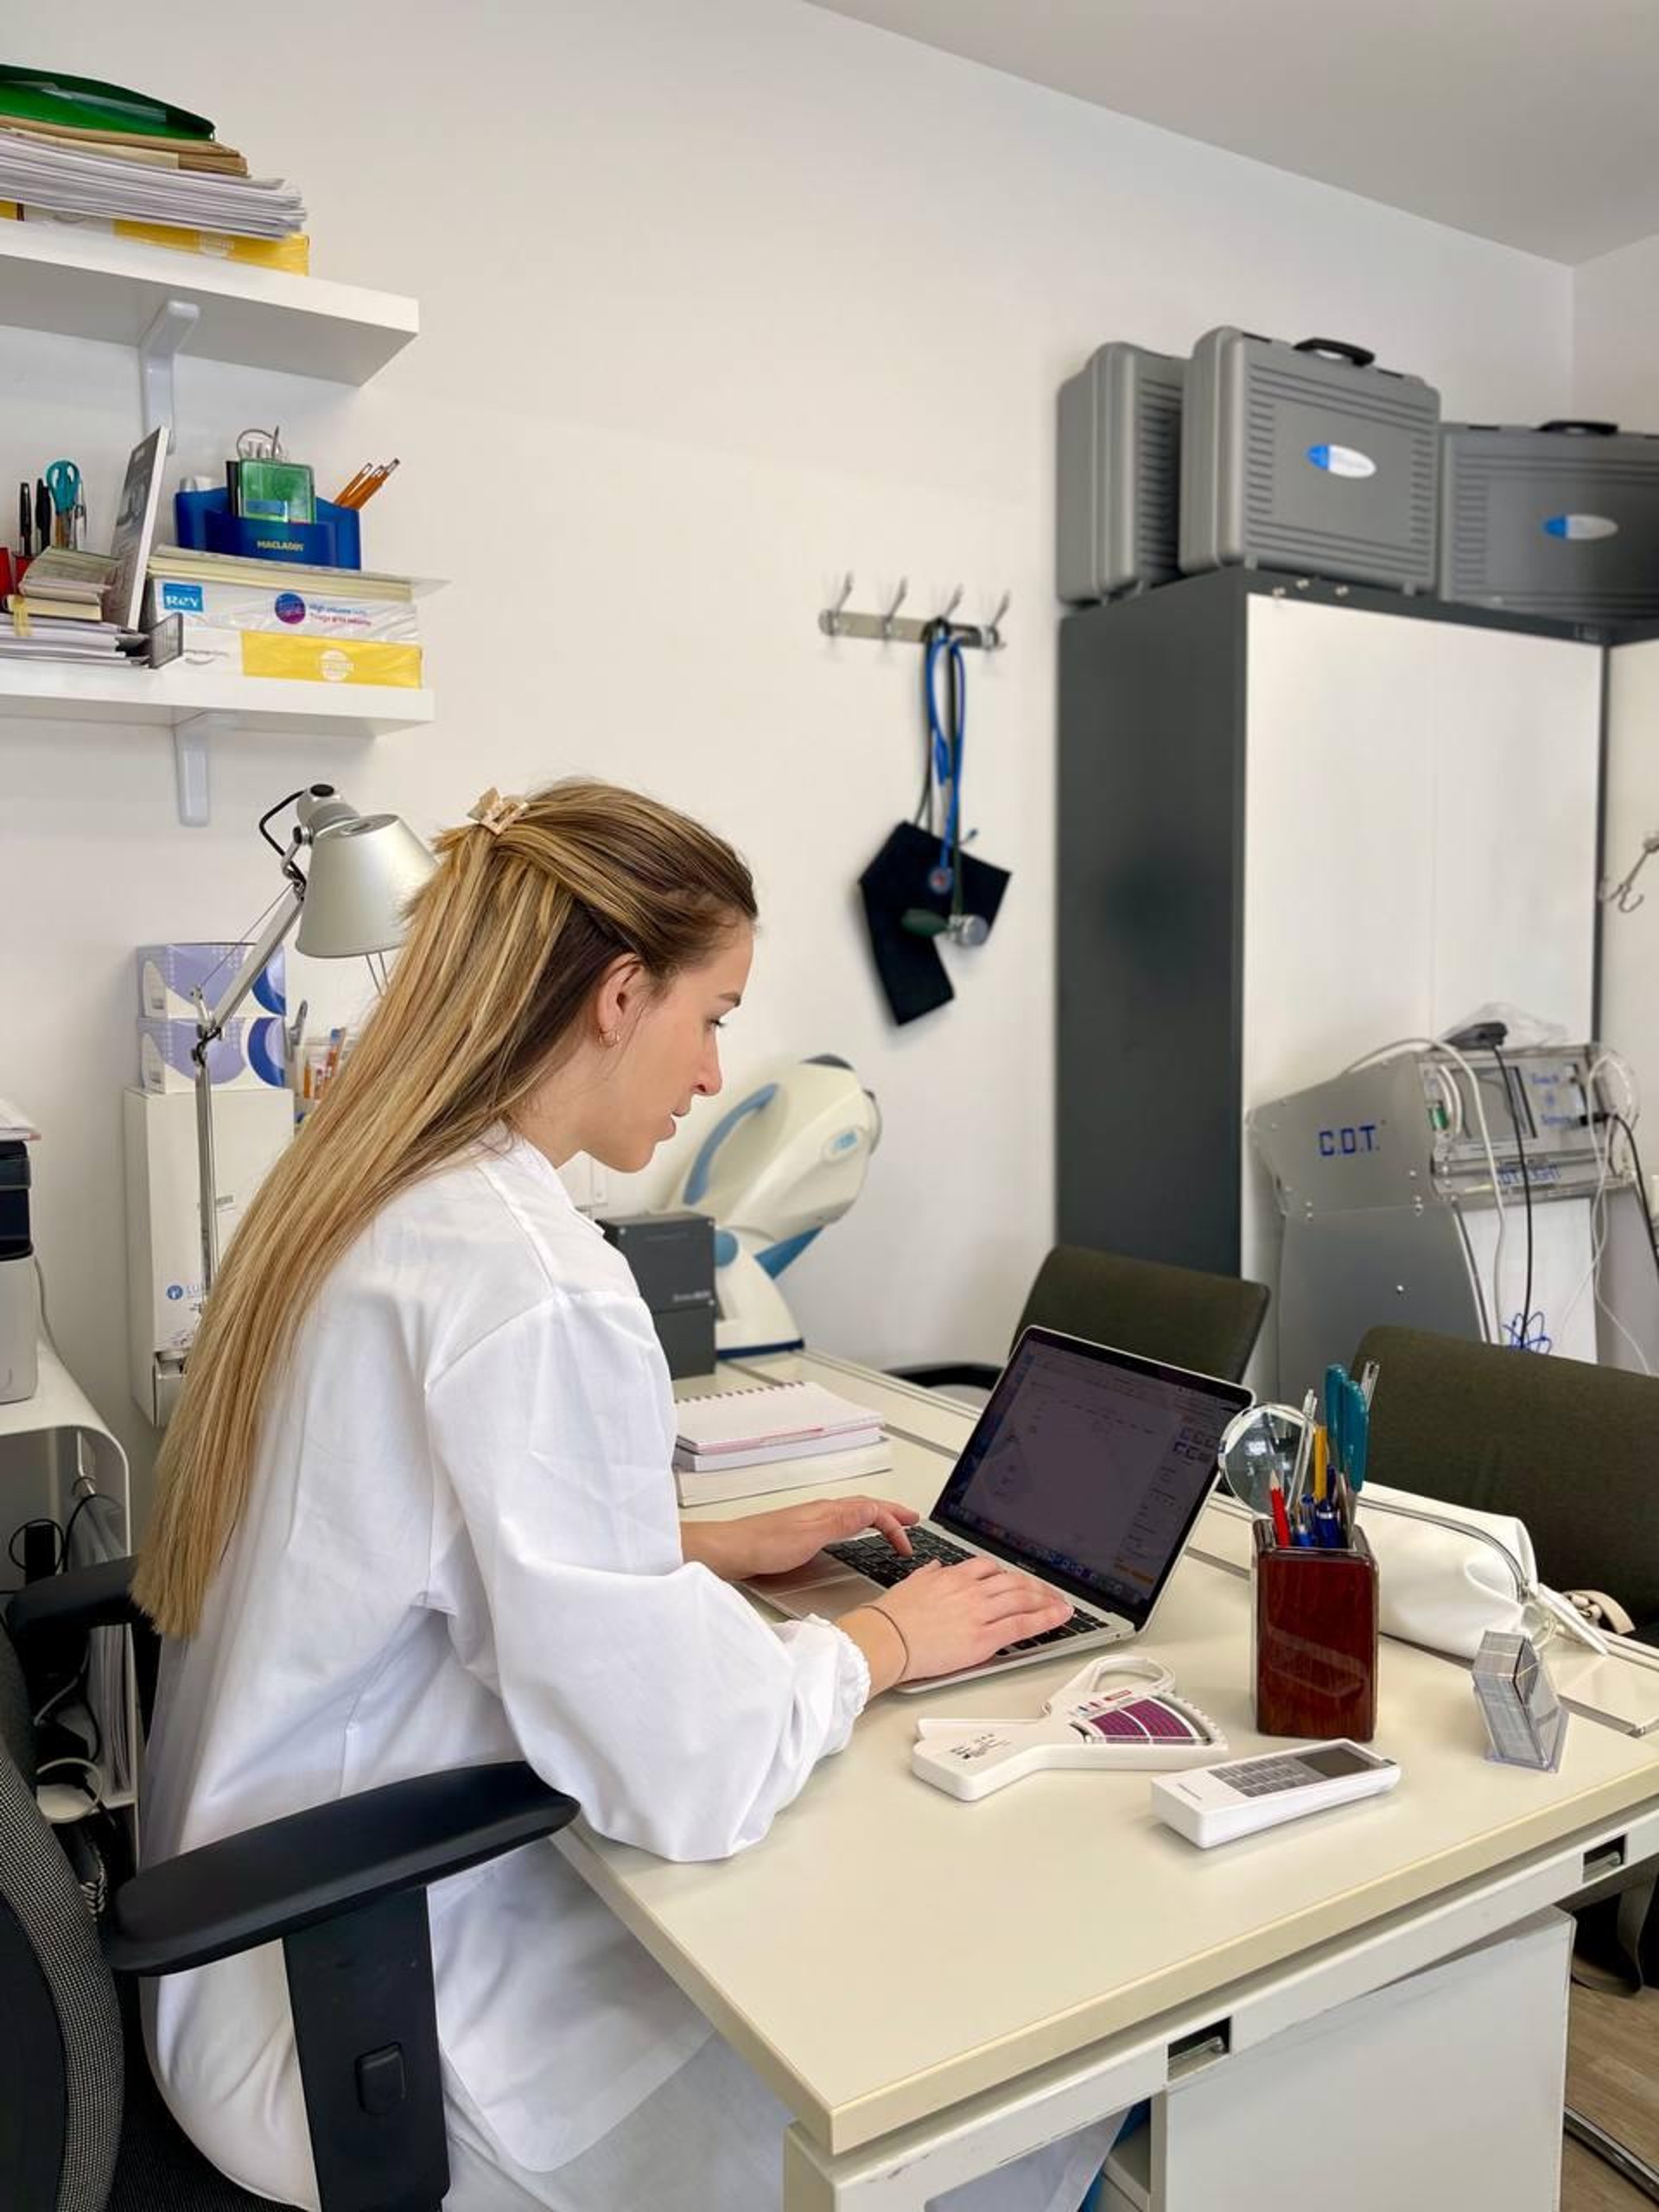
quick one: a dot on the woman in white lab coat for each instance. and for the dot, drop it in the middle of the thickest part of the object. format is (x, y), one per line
(416, 1510)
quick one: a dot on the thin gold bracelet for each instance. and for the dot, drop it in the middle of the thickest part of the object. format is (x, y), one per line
(904, 1641)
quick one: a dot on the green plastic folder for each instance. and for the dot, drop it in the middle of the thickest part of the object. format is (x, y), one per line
(83, 103)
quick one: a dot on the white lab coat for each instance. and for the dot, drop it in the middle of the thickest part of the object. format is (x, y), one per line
(460, 1543)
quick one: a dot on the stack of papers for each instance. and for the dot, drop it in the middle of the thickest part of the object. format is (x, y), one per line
(742, 1443)
(15, 1126)
(58, 614)
(64, 177)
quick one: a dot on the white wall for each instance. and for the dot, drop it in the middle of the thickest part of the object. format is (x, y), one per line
(716, 301)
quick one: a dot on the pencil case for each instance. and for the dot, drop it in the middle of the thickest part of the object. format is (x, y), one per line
(1314, 1632)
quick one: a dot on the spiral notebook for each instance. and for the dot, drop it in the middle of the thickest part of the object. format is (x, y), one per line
(743, 1443)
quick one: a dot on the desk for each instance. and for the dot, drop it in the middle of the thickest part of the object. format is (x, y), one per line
(1080, 1956)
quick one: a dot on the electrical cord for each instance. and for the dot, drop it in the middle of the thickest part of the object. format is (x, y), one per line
(1619, 1122)
(1524, 1332)
(1438, 1044)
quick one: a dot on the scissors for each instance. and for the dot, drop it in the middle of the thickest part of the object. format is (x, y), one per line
(63, 482)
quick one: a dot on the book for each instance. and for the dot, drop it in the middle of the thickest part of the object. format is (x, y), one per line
(135, 529)
(717, 1422)
(291, 255)
(803, 1448)
(720, 1485)
(185, 563)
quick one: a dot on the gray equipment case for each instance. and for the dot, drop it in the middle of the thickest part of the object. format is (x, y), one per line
(1118, 451)
(1308, 458)
(1562, 520)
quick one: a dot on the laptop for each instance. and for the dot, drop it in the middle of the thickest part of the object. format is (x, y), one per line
(1087, 1469)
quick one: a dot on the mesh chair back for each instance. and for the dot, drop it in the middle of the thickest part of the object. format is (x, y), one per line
(1571, 1450)
(61, 2048)
(1209, 1323)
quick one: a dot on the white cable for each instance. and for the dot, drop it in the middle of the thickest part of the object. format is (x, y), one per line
(1437, 1045)
(1598, 1220)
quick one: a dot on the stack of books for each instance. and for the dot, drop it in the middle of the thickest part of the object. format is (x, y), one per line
(776, 1436)
(107, 159)
(59, 613)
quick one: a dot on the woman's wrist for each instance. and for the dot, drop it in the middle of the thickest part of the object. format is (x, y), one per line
(704, 1544)
(881, 1640)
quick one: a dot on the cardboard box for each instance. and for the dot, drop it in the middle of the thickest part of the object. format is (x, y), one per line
(248, 1057)
(168, 973)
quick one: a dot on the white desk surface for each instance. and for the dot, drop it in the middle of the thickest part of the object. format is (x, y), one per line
(888, 1950)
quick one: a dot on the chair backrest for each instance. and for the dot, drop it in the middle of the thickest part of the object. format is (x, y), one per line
(1209, 1323)
(61, 2044)
(1570, 1449)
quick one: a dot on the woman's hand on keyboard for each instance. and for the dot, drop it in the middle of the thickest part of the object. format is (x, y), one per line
(771, 1544)
(954, 1617)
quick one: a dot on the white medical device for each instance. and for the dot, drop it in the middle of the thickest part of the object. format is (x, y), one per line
(1251, 1794)
(787, 1159)
(1110, 1715)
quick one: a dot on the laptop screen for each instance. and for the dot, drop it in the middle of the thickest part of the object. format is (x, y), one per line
(1089, 1466)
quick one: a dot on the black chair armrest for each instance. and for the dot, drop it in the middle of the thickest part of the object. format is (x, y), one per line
(81, 1598)
(941, 1375)
(307, 1867)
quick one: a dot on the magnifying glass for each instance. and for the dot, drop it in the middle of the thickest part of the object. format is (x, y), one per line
(1258, 1444)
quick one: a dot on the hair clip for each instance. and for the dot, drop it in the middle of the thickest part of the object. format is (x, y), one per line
(494, 813)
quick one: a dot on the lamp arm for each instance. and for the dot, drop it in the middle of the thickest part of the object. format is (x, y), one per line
(210, 1024)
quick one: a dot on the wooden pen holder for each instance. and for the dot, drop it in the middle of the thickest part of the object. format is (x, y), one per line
(1314, 1639)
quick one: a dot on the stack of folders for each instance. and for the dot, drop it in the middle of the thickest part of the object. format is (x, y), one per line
(58, 614)
(109, 159)
(280, 619)
(778, 1436)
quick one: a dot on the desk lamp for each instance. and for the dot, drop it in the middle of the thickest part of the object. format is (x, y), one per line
(349, 903)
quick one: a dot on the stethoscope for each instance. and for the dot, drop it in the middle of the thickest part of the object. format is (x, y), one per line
(946, 731)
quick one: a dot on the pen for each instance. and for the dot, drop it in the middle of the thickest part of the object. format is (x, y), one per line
(23, 533)
(42, 515)
(1280, 1518)
(1321, 1464)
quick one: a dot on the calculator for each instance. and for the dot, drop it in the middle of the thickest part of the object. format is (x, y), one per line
(1215, 1804)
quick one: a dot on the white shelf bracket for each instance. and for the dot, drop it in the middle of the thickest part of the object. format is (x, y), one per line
(192, 765)
(174, 322)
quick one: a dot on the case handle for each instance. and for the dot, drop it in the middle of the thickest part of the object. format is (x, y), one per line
(1361, 356)
(1581, 430)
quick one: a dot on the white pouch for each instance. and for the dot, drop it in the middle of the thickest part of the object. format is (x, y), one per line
(1448, 1574)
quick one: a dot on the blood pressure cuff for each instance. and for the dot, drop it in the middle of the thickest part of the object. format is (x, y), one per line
(912, 976)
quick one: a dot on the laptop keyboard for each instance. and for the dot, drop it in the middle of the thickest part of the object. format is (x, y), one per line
(874, 1557)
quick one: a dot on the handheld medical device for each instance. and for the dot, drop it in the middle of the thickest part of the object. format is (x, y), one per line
(1227, 1802)
(1110, 1715)
(782, 1163)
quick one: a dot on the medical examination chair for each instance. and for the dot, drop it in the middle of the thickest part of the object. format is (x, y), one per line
(341, 1887)
(1209, 1323)
(1572, 1451)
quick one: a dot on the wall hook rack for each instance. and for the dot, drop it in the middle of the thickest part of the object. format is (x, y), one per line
(890, 627)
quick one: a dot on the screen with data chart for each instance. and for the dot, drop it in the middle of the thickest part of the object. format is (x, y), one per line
(1090, 1466)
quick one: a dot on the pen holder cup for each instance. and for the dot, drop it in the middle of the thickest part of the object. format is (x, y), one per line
(1315, 1623)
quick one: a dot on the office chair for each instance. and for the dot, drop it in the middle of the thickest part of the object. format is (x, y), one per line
(1507, 1432)
(341, 1887)
(1208, 1323)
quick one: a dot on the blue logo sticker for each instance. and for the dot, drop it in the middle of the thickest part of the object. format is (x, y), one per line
(291, 607)
(1342, 460)
(1578, 527)
(180, 599)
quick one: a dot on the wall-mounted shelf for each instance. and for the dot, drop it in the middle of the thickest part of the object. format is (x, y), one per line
(200, 704)
(79, 284)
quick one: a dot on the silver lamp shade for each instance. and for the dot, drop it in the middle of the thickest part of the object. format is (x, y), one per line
(362, 873)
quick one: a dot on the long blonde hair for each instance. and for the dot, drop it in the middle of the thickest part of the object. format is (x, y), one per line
(507, 942)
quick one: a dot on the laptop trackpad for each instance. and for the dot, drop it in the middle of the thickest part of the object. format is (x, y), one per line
(823, 1586)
